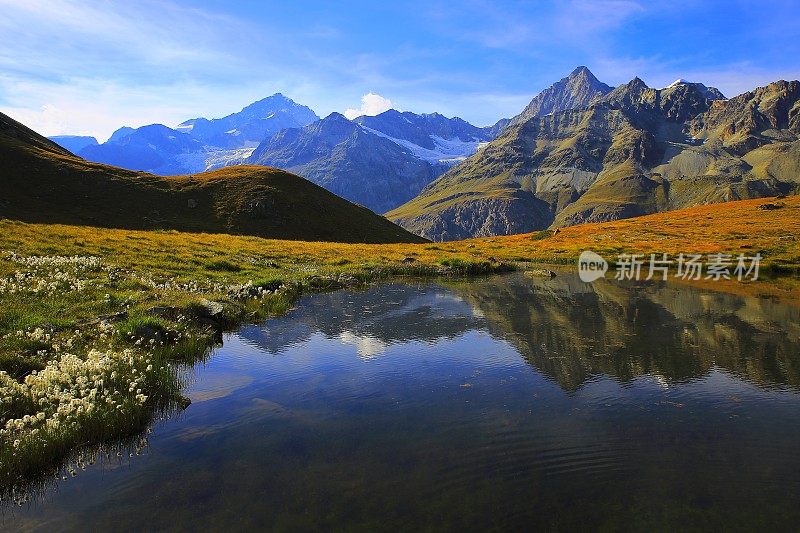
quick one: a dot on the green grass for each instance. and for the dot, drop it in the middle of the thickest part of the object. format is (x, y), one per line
(539, 235)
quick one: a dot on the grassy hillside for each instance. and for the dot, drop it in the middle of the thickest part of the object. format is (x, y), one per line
(43, 183)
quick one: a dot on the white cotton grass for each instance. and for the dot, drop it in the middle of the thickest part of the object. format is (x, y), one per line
(100, 378)
(68, 389)
(48, 274)
(74, 399)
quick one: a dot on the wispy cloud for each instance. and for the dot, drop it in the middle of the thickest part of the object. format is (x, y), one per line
(68, 37)
(90, 66)
(83, 66)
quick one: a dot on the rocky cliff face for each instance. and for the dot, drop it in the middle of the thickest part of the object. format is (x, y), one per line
(752, 119)
(483, 217)
(577, 90)
(633, 151)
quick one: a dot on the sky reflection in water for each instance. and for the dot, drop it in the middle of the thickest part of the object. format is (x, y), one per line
(504, 402)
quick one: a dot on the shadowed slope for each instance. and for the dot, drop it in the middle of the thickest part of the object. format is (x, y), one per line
(42, 182)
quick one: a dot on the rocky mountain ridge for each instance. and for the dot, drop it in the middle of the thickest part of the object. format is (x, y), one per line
(633, 151)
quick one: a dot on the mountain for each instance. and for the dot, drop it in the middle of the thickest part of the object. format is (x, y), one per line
(251, 125)
(712, 93)
(73, 143)
(633, 151)
(350, 161)
(155, 148)
(377, 161)
(44, 183)
(121, 133)
(199, 144)
(576, 91)
(430, 137)
(379, 174)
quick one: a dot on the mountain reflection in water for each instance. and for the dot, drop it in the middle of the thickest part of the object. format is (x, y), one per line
(500, 403)
(566, 329)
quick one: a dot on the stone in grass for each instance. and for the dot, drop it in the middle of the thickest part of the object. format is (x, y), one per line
(114, 317)
(348, 280)
(157, 334)
(324, 283)
(166, 312)
(254, 291)
(210, 309)
(183, 402)
(210, 314)
(539, 273)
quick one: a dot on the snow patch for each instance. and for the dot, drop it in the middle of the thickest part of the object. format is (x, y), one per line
(447, 151)
(213, 157)
(679, 81)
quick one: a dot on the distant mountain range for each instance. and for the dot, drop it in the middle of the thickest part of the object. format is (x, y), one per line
(580, 151)
(377, 161)
(583, 152)
(74, 143)
(44, 183)
(195, 145)
(251, 125)
(155, 148)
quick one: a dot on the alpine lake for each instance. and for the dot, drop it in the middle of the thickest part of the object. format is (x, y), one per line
(502, 403)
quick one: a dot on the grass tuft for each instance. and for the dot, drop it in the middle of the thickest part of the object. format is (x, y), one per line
(223, 266)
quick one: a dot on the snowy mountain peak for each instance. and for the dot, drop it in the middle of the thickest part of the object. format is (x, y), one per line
(679, 81)
(712, 93)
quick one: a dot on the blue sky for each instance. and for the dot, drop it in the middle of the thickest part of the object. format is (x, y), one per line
(88, 67)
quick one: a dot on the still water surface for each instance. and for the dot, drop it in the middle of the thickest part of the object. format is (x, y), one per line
(505, 403)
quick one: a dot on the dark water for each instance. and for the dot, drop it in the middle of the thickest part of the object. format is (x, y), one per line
(506, 403)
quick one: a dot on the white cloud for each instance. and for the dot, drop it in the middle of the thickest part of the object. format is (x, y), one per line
(371, 104)
(91, 33)
(50, 119)
(366, 346)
